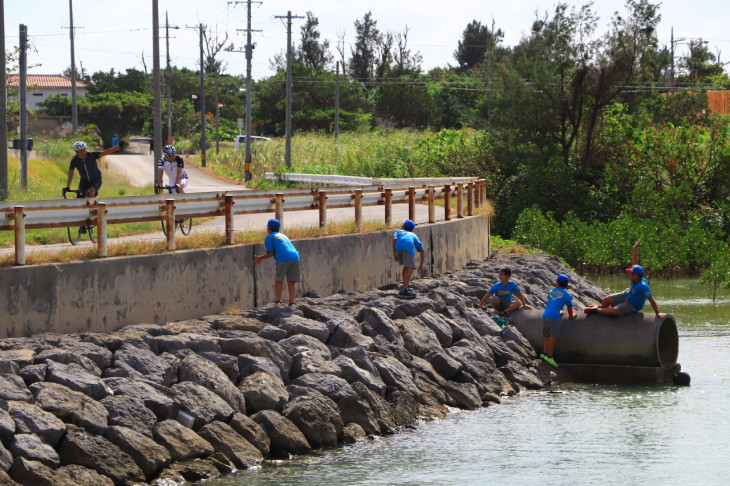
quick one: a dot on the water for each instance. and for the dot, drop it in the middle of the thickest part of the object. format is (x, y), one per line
(571, 434)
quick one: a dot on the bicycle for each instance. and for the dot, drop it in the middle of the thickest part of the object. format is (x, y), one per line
(185, 224)
(74, 233)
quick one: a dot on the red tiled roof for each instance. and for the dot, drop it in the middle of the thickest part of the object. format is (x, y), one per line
(43, 81)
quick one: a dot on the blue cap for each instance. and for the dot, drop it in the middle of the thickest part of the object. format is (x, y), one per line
(636, 270)
(409, 225)
(274, 224)
(562, 278)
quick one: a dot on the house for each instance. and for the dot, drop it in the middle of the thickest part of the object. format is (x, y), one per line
(41, 86)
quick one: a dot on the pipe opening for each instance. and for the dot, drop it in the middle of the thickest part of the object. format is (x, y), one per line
(668, 343)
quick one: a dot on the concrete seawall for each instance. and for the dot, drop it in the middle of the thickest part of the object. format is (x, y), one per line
(104, 295)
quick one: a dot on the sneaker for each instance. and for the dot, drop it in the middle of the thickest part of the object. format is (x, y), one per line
(277, 302)
(407, 293)
(549, 360)
(291, 304)
(591, 309)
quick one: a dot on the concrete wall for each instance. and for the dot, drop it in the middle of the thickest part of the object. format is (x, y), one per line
(106, 294)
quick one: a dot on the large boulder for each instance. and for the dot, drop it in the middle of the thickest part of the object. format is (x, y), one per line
(443, 363)
(75, 475)
(465, 395)
(525, 377)
(148, 455)
(181, 442)
(376, 322)
(130, 411)
(21, 357)
(379, 406)
(347, 333)
(141, 362)
(330, 386)
(76, 377)
(97, 453)
(295, 324)
(155, 397)
(7, 423)
(317, 417)
(202, 404)
(251, 364)
(357, 410)
(227, 364)
(29, 472)
(34, 373)
(192, 471)
(418, 338)
(100, 355)
(252, 432)
(12, 387)
(242, 342)
(33, 448)
(206, 374)
(308, 361)
(31, 419)
(353, 373)
(70, 406)
(285, 437)
(439, 326)
(394, 374)
(301, 342)
(234, 446)
(263, 392)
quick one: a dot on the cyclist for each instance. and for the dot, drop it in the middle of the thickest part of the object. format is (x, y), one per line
(174, 167)
(88, 168)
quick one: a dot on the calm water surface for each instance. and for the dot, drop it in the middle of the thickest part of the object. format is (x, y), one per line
(570, 434)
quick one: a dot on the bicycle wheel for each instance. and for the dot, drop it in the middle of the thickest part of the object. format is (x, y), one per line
(90, 230)
(164, 226)
(185, 225)
(74, 234)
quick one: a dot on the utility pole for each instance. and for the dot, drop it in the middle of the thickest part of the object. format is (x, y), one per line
(249, 55)
(157, 98)
(3, 111)
(23, 109)
(201, 29)
(74, 108)
(288, 17)
(168, 80)
(337, 100)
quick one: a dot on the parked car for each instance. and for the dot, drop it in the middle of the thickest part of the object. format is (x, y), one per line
(241, 140)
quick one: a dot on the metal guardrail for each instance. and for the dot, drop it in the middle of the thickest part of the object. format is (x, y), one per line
(375, 182)
(18, 216)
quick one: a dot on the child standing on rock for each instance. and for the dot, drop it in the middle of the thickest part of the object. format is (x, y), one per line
(557, 298)
(504, 292)
(405, 244)
(277, 245)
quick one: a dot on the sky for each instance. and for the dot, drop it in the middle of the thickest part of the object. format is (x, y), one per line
(118, 34)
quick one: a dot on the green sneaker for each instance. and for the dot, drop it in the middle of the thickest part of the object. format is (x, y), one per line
(549, 360)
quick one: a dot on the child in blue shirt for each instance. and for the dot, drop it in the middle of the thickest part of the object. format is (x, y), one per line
(504, 292)
(557, 298)
(277, 245)
(405, 244)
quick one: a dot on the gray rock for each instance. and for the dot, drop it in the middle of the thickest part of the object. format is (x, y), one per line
(62, 356)
(234, 322)
(301, 342)
(252, 432)
(33, 373)
(192, 471)
(443, 363)
(7, 423)
(418, 339)
(206, 374)
(151, 329)
(272, 333)
(384, 347)
(431, 392)
(31, 419)
(145, 363)
(95, 452)
(33, 448)
(181, 442)
(394, 374)
(130, 411)
(317, 417)
(204, 405)
(517, 342)
(156, 398)
(77, 378)
(148, 455)
(361, 359)
(439, 326)
(330, 386)
(376, 322)
(251, 364)
(295, 324)
(353, 373)
(251, 344)
(6, 459)
(522, 376)
(420, 365)
(263, 392)
(403, 406)
(227, 364)
(234, 446)
(357, 410)
(204, 344)
(312, 362)
(8, 367)
(170, 343)
(353, 433)
(35, 473)
(113, 341)
(466, 395)
(70, 406)
(100, 355)
(81, 476)
(12, 387)
(465, 351)
(347, 333)
(285, 437)
(21, 357)
(411, 308)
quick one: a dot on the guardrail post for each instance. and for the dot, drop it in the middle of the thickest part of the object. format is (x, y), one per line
(323, 210)
(470, 199)
(431, 204)
(279, 207)
(447, 202)
(170, 217)
(459, 200)
(358, 209)
(19, 235)
(101, 229)
(412, 203)
(482, 191)
(477, 193)
(388, 206)
(230, 236)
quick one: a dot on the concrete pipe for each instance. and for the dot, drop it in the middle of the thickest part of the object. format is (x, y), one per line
(633, 340)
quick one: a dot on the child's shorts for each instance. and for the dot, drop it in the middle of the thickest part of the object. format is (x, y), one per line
(287, 271)
(503, 303)
(621, 302)
(406, 259)
(550, 327)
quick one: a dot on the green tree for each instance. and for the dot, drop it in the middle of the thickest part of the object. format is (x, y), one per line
(311, 52)
(477, 42)
(363, 53)
(700, 64)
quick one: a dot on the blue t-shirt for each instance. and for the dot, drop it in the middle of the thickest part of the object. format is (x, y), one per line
(638, 293)
(407, 241)
(283, 249)
(505, 292)
(557, 298)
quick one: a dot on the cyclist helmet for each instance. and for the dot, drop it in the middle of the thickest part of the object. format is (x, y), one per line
(79, 146)
(168, 149)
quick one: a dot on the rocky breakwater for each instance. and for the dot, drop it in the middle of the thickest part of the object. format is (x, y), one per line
(198, 398)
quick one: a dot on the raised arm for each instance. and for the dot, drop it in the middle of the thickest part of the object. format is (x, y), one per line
(113, 149)
(635, 253)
